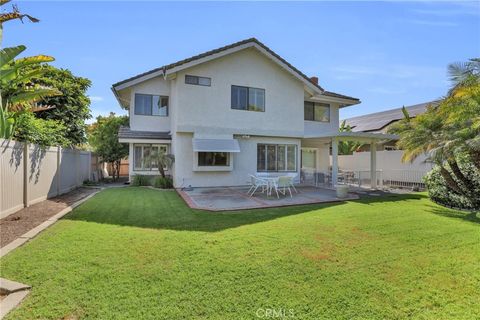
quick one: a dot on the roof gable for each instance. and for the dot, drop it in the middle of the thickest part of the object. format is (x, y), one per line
(216, 53)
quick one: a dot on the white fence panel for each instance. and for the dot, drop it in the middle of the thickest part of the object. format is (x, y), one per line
(68, 170)
(11, 176)
(42, 171)
(32, 174)
(394, 172)
(386, 160)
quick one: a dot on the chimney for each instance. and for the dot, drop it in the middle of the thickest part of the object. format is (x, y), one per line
(314, 80)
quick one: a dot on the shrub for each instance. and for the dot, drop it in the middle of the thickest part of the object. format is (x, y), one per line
(441, 194)
(163, 183)
(141, 180)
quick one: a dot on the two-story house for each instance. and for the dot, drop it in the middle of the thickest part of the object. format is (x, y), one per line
(228, 113)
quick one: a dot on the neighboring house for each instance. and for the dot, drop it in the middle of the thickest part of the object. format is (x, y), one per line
(231, 112)
(380, 122)
(394, 171)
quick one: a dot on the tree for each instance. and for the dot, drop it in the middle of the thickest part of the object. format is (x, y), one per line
(347, 147)
(161, 159)
(103, 137)
(448, 132)
(42, 132)
(17, 92)
(72, 106)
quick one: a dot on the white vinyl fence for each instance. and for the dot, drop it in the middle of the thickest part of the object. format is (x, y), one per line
(30, 174)
(392, 172)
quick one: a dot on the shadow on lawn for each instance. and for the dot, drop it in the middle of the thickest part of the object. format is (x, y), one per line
(184, 218)
(451, 213)
(145, 208)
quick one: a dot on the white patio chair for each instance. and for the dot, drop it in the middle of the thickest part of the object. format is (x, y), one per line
(294, 176)
(282, 185)
(255, 184)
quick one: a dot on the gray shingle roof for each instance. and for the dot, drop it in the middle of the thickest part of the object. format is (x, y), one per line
(127, 133)
(379, 120)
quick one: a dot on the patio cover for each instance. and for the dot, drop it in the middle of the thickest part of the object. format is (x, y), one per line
(215, 145)
(366, 137)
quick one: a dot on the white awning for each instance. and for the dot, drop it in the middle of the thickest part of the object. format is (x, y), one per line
(215, 145)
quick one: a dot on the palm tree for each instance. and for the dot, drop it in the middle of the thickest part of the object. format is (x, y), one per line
(448, 130)
(161, 159)
(347, 147)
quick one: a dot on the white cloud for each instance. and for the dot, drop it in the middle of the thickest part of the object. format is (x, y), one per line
(432, 23)
(96, 98)
(455, 8)
(387, 91)
(388, 71)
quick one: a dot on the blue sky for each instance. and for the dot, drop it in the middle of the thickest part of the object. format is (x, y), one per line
(388, 54)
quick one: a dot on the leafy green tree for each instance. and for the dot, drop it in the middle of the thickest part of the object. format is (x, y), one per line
(72, 106)
(103, 137)
(347, 147)
(38, 131)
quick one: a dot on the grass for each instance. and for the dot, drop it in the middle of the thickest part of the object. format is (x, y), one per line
(137, 253)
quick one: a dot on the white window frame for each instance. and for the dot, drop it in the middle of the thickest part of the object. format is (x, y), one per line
(160, 97)
(286, 145)
(318, 104)
(143, 145)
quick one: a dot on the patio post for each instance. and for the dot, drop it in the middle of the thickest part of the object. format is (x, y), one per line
(373, 165)
(334, 162)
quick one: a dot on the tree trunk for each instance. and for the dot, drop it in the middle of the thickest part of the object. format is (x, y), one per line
(475, 156)
(469, 186)
(451, 183)
(160, 169)
(117, 164)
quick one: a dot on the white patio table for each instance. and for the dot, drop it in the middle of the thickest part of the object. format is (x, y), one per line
(271, 183)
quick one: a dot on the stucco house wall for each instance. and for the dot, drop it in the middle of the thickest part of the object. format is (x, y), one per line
(155, 86)
(244, 162)
(208, 109)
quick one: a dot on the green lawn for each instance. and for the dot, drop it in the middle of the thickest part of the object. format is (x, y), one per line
(137, 253)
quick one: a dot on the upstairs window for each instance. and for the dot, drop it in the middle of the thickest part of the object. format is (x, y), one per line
(199, 81)
(245, 98)
(317, 111)
(151, 105)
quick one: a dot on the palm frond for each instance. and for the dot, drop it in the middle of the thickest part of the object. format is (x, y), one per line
(8, 54)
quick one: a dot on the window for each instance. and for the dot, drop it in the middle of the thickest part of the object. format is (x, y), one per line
(142, 153)
(151, 105)
(244, 98)
(213, 159)
(317, 111)
(276, 157)
(200, 81)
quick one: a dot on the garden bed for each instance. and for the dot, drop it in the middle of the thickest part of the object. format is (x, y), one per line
(26, 219)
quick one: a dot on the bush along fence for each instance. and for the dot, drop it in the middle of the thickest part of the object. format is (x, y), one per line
(30, 173)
